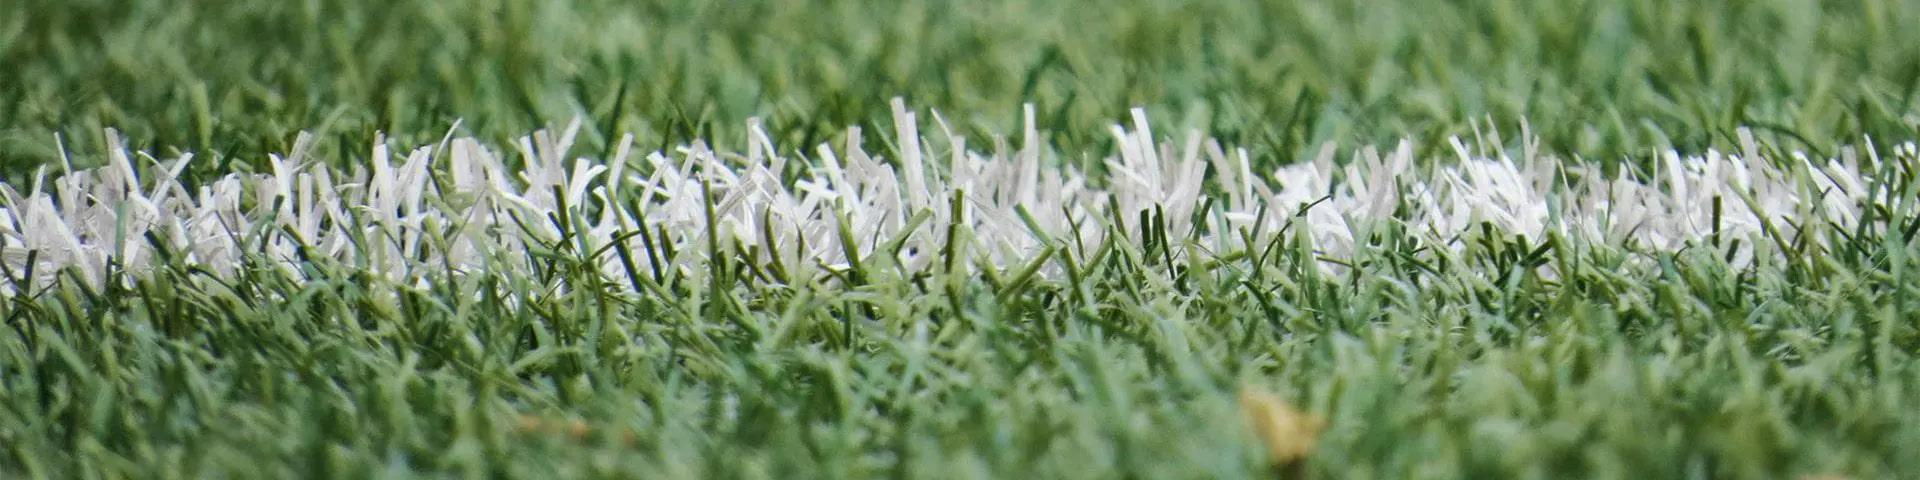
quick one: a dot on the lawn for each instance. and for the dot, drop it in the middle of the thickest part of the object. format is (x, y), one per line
(928, 239)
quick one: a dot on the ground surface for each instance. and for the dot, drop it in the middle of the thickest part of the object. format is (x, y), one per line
(1665, 312)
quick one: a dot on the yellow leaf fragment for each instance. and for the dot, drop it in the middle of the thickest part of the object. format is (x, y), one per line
(1289, 433)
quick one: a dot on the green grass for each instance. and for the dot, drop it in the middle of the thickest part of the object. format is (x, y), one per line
(1603, 78)
(1120, 358)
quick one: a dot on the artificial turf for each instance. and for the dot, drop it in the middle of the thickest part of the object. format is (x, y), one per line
(1671, 240)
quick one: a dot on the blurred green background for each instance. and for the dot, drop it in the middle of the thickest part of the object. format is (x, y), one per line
(1606, 78)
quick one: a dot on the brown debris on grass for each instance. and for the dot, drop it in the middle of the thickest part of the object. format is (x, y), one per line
(1289, 434)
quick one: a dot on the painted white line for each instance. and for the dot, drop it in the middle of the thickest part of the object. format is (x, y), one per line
(455, 202)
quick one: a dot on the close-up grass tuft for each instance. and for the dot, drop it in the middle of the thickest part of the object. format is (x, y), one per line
(922, 239)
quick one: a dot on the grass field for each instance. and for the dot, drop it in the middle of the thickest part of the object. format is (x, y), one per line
(927, 239)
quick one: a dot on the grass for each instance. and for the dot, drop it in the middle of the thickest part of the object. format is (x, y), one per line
(1603, 78)
(747, 305)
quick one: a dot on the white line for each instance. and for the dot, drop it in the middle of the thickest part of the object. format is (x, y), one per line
(462, 206)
